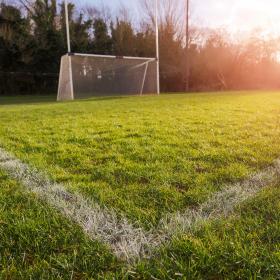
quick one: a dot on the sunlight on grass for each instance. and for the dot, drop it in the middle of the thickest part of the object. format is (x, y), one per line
(146, 156)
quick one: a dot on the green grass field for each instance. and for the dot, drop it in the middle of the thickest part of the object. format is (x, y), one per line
(38, 243)
(144, 157)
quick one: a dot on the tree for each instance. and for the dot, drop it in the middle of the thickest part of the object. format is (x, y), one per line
(102, 42)
(14, 37)
(123, 38)
(48, 42)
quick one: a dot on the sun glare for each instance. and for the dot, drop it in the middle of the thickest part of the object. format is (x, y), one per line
(240, 15)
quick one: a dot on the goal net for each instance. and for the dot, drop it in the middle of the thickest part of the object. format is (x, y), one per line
(85, 76)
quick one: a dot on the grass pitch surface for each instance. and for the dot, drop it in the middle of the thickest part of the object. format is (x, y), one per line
(146, 156)
(38, 243)
(143, 157)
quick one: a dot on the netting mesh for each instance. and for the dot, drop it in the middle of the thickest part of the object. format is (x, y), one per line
(97, 76)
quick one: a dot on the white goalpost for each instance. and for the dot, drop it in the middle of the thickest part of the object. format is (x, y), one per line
(88, 75)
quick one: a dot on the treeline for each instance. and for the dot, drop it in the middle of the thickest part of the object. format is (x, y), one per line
(32, 40)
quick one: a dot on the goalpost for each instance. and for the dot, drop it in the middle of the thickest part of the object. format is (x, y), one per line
(88, 75)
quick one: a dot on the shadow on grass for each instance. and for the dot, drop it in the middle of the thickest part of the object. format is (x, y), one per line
(35, 99)
(102, 98)
(26, 99)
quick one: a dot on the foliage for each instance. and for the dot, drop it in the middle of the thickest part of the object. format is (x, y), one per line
(102, 42)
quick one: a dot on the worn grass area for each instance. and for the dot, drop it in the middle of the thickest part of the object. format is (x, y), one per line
(146, 156)
(38, 243)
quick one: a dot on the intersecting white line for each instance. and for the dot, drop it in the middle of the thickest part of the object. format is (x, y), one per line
(128, 241)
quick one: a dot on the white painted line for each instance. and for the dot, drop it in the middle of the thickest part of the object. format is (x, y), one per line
(127, 241)
(222, 203)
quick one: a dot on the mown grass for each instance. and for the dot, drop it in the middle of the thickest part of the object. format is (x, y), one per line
(146, 156)
(245, 246)
(143, 157)
(36, 242)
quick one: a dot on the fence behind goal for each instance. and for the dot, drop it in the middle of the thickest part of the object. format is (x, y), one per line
(85, 76)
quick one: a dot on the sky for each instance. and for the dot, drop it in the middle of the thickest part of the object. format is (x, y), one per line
(235, 15)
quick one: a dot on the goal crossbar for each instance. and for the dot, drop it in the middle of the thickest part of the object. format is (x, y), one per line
(114, 56)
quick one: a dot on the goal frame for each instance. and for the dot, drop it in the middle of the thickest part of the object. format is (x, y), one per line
(70, 54)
